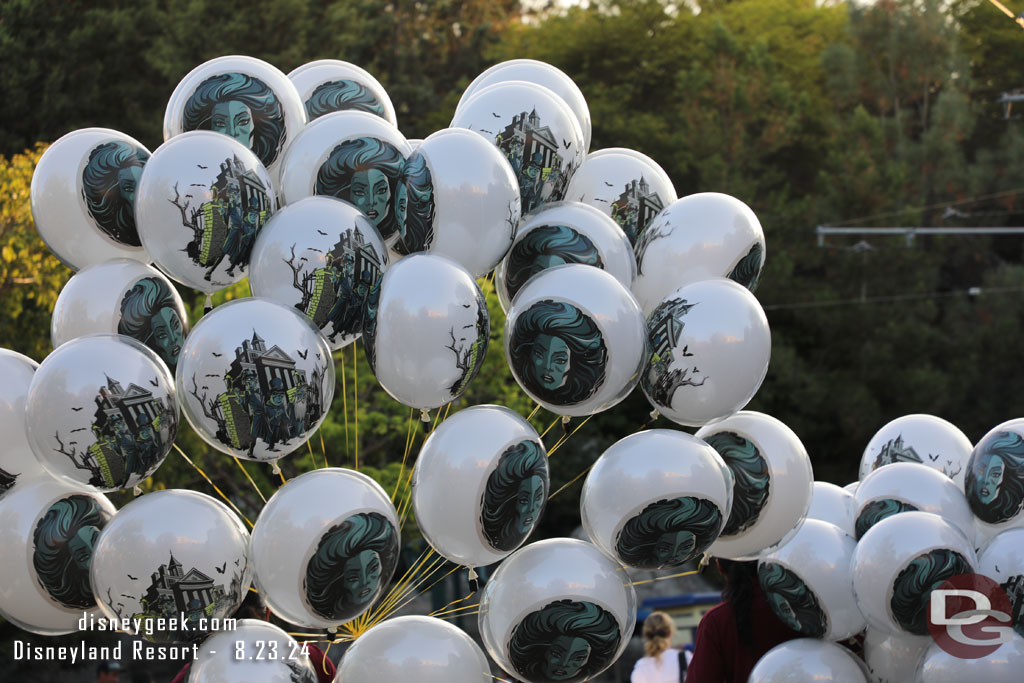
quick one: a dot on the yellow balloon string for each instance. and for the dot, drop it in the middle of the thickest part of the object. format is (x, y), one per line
(536, 407)
(413, 590)
(355, 397)
(662, 578)
(401, 589)
(405, 456)
(344, 400)
(452, 612)
(446, 608)
(323, 449)
(247, 476)
(215, 487)
(570, 483)
(323, 664)
(553, 423)
(566, 437)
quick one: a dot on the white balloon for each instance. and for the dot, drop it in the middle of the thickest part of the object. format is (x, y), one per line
(541, 73)
(116, 391)
(833, 504)
(710, 347)
(324, 547)
(169, 553)
(426, 331)
(122, 296)
(1002, 666)
(201, 203)
(893, 659)
(852, 487)
(480, 484)
(655, 499)
(911, 486)
(994, 483)
(575, 340)
(535, 129)
(414, 648)
(83, 192)
(241, 97)
(807, 582)
(255, 379)
(329, 85)
(898, 562)
(18, 462)
(552, 600)
(252, 651)
(560, 233)
(630, 187)
(773, 482)
(807, 659)
(321, 256)
(913, 437)
(698, 237)
(353, 156)
(1002, 560)
(460, 199)
(48, 530)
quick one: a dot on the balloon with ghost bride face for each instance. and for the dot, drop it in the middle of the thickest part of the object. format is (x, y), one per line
(656, 499)
(995, 477)
(324, 547)
(243, 98)
(252, 651)
(415, 648)
(907, 486)
(697, 237)
(772, 483)
(575, 340)
(126, 297)
(322, 257)
(924, 439)
(18, 464)
(330, 85)
(48, 529)
(102, 410)
(255, 379)
(203, 200)
(480, 484)
(557, 610)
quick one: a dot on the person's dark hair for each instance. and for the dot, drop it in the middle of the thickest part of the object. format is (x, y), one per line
(62, 578)
(587, 351)
(101, 188)
(341, 95)
(1009, 447)
(531, 638)
(911, 591)
(498, 504)
(252, 607)
(362, 154)
(807, 612)
(751, 479)
(555, 240)
(324, 579)
(877, 510)
(418, 233)
(698, 516)
(268, 117)
(142, 676)
(741, 583)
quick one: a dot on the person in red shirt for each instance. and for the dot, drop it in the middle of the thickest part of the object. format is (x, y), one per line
(733, 635)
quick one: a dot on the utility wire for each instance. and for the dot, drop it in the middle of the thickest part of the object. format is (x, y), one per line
(894, 298)
(903, 212)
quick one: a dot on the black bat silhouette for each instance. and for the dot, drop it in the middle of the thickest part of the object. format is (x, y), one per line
(598, 199)
(200, 166)
(216, 355)
(80, 429)
(155, 382)
(933, 458)
(303, 258)
(236, 562)
(318, 356)
(133, 578)
(608, 184)
(997, 567)
(497, 116)
(322, 232)
(130, 597)
(72, 443)
(190, 196)
(484, 130)
(566, 143)
(76, 409)
(205, 387)
(302, 354)
(466, 305)
(212, 375)
(220, 569)
(197, 184)
(316, 250)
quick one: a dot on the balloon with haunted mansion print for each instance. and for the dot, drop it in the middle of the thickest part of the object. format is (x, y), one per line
(102, 411)
(924, 439)
(322, 257)
(256, 379)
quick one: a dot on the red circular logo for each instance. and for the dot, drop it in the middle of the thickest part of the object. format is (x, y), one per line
(969, 616)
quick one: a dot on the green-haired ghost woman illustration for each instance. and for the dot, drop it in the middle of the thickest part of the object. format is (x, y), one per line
(567, 640)
(558, 352)
(750, 479)
(669, 532)
(793, 602)
(108, 185)
(351, 563)
(364, 172)
(241, 107)
(995, 478)
(342, 95)
(150, 313)
(415, 207)
(911, 591)
(545, 247)
(63, 541)
(514, 495)
(877, 510)
(748, 271)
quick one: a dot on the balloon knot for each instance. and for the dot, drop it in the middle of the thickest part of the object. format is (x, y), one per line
(474, 580)
(424, 416)
(276, 469)
(333, 630)
(137, 490)
(655, 415)
(208, 306)
(565, 419)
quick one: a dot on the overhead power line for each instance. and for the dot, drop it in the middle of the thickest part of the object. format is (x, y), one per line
(895, 298)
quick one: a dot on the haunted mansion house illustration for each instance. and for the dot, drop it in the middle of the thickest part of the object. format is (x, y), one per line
(664, 328)
(1015, 591)
(267, 397)
(533, 152)
(227, 224)
(337, 292)
(636, 207)
(894, 451)
(174, 592)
